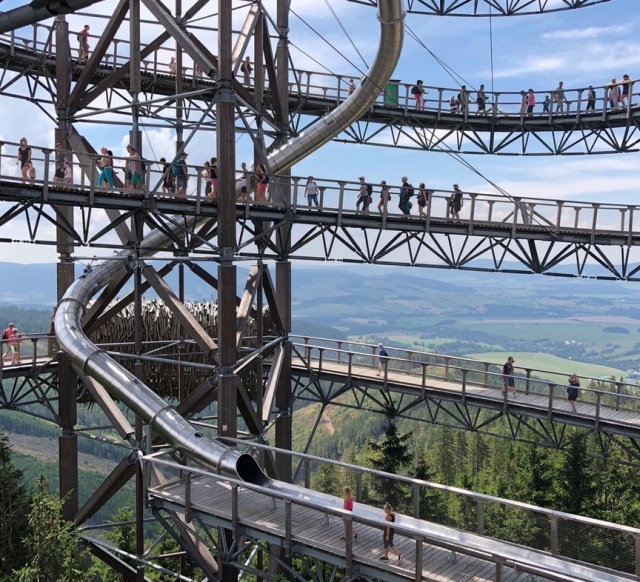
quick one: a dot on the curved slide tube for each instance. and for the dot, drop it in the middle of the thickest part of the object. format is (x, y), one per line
(123, 385)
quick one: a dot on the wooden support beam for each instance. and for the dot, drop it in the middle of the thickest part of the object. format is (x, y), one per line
(95, 320)
(272, 382)
(278, 105)
(242, 42)
(246, 304)
(104, 400)
(108, 34)
(270, 294)
(188, 321)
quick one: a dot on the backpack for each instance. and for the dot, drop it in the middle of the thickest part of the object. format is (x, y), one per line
(409, 191)
(369, 190)
(415, 90)
(175, 170)
(143, 166)
(5, 335)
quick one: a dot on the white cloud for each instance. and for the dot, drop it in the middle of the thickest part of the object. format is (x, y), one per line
(584, 33)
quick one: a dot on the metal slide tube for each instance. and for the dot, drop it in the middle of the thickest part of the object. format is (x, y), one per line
(124, 386)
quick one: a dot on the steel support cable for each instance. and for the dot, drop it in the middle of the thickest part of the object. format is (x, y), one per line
(337, 18)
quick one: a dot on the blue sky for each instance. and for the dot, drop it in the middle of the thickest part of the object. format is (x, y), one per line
(580, 47)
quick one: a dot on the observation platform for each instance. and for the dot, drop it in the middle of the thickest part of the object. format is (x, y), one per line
(309, 523)
(566, 238)
(392, 121)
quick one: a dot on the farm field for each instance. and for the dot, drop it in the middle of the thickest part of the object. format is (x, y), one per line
(549, 367)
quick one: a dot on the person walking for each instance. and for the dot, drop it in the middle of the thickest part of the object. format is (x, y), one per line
(385, 196)
(246, 69)
(83, 44)
(572, 391)
(14, 344)
(6, 336)
(508, 379)
(347, 505)
(363, 197)
(388, 533)
(23, 158)
(311, 192)
(383, 358)
(423, 199)
(105, 163)
(456, 202)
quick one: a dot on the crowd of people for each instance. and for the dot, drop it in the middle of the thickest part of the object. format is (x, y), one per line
(617, 94)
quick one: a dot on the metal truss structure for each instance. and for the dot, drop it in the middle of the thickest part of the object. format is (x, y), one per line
(110, 88)
(488, 7)
(184, 104)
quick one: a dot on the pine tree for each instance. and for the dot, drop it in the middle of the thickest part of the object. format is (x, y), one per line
(391, 455)
(14, 503)
(53, 551)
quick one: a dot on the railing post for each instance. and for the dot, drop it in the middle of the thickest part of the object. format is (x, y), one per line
(527, 382)
(550, 411)
(287, 530)
(321, 189)
(480, 516)
(447, 361)
(321, 352)
(418, 573)
(187, 494)
(34, 348)
(45, 175)
(416, 500)
(472, 211)
(307, 473)
(350, 356)
(340, 202)
(296, 184)
(464, 386)
(619, 386)
(359, 486)
(235, 518)
(554, 534)
(340, 351)
(637, 555)
(597, 420)
(559, 214)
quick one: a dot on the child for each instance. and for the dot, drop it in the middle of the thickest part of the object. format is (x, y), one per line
(31, 172)
(347, 505)
(68, 173)
(388, 533)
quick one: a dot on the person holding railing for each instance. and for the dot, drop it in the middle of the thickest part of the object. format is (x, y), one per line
(418, 92)
(83, 44)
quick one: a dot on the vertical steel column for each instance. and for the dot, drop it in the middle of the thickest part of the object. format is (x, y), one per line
(68, 440)
(136, 141)
(225, 148)
(179, 125)
(283, 268)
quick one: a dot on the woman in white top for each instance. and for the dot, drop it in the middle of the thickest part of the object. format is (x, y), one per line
(311, 192)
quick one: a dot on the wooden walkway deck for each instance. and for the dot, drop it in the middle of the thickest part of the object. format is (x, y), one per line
(315, 533)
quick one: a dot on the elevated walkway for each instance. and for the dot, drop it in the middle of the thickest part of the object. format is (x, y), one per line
(392, 121)
(311, 524)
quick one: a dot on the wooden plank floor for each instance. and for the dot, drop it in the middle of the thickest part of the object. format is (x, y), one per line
(314, 529)
(535, 404)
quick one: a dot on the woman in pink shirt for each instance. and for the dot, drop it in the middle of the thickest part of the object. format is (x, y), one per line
(531, 102)
(347, 505)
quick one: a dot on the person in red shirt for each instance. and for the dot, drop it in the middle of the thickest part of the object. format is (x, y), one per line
(6, 336)
(347, 505)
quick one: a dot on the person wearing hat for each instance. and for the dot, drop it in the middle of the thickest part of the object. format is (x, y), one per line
(383, 358)
(508, 379)
(311, 192)
(183, 174)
